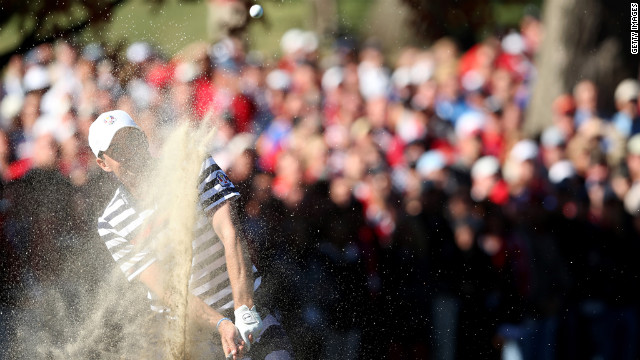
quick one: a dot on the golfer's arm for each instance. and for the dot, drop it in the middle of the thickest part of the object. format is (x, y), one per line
(153, 278)
(238, 263)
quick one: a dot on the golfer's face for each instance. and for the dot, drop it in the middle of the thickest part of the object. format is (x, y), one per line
(128, 155)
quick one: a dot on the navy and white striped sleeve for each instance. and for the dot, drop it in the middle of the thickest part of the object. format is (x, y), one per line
(130, 260)
(214, 187)
(116, 227)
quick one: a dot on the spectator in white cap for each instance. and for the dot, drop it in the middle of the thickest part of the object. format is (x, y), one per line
(561, 171)
(138, 52)
(633, 158)
(553, 145)
(140, 56)
(521, 167)
(10, 107)
(373, 76)
(524, 150)
(468, 131)
(626, 98)
(13, 75)
(36, 79)
(632, 204)
(431, 167)
(486, 183)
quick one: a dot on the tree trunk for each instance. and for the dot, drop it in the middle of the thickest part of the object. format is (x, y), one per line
(325, 18)
(389, 21)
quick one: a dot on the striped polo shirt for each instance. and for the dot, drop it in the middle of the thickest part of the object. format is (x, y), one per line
(121, 223)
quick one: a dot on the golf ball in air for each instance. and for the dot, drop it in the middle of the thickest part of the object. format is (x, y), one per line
(255, 11)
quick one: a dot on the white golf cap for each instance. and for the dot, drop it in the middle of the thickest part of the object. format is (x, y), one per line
(278, 80)
(632, 200)
(105, 127)
(332, 78)
(430, 161)
(138, 52)
(633, 145)
(36, 78)
(292, 40)
(553, 137)
(561, 171)
(524, 150)
(485, 166)
(513, 44)
(627, 90)
(469, 124)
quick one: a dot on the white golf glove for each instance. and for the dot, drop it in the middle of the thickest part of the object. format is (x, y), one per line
(248, 321)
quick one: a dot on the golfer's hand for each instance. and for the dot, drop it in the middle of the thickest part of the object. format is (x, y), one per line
(249, 324)
(232, 345)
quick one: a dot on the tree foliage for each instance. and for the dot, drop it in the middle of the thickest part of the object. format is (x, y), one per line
(43, 21)
(460, 19)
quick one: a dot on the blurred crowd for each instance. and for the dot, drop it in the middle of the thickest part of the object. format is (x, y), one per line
(399, 209)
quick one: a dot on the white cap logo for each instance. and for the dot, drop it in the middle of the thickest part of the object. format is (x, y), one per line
(109, 120)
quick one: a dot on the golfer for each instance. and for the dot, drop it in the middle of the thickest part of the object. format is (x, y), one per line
(222, 281)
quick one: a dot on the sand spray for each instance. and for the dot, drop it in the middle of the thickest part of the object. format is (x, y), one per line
(110, 319)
